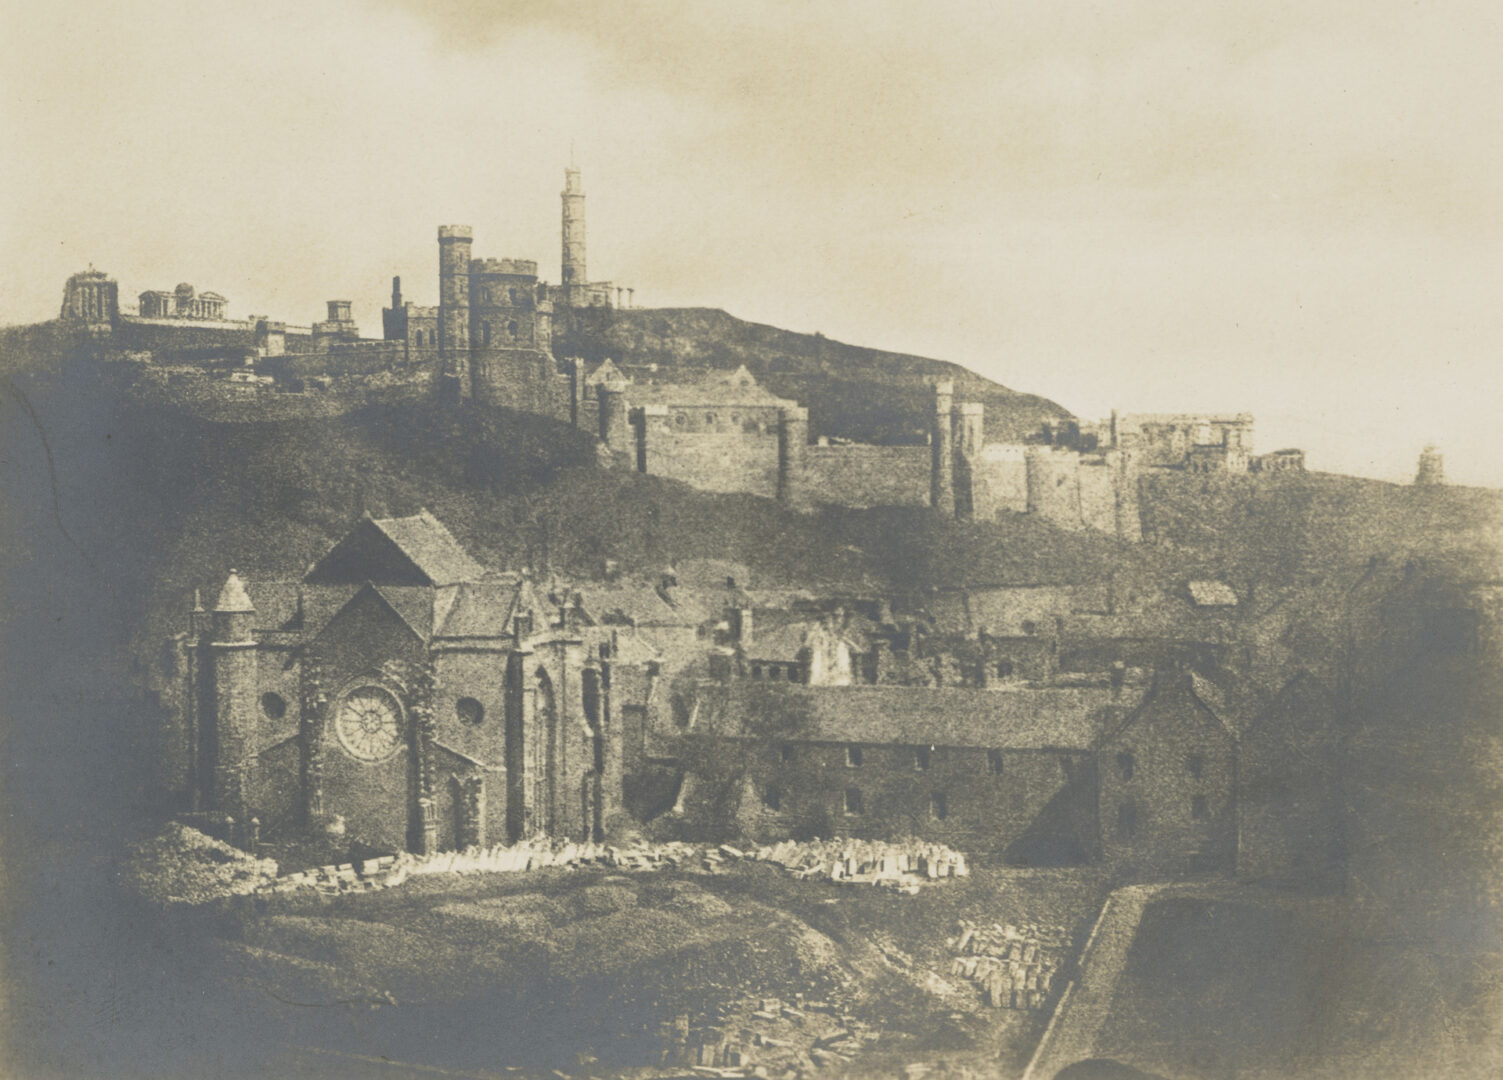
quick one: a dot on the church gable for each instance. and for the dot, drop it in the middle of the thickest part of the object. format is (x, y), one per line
(366, 633)
(415, 550)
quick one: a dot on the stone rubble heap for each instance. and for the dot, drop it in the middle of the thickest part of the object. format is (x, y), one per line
(185, 866)
(1015, 966)
(767, 1037)
(901, 865)
(895, 863)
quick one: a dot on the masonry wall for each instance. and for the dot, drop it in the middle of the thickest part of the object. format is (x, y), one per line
(862, 475)
(1037, 809)
(1098, 496)
(1000, 481)
(713, 460)
(519, 379)
(481, 675)
(1173, 735)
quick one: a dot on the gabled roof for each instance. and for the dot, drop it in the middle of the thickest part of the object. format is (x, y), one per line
(1062, 718)
(415, 550)
(485, 609)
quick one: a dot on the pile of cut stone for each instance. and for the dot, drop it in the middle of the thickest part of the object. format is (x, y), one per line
(1014, 966)
(185, 866)
(767, 1037)
(899, 864)
(337, 878)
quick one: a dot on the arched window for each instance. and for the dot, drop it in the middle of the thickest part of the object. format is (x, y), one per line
(485, 334)
(1125, 765)
(512, 295)
(511, 328)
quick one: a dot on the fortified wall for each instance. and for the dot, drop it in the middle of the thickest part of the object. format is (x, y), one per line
(724, 432)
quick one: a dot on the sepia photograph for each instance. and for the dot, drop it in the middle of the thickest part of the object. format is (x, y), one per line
(667, 540)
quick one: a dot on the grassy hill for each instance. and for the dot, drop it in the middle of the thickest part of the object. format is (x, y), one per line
(854, 392)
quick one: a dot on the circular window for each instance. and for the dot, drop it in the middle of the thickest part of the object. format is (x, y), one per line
(369, 724)
(469, 710)
(274, 705)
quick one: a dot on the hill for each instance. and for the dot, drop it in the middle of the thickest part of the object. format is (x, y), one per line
(854, 392)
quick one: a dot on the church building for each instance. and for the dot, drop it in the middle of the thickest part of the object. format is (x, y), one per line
(403, 688)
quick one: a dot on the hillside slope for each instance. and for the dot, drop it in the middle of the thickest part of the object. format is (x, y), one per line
(854, 392)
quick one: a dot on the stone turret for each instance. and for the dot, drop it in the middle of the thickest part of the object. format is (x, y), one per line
(231, 701)
(793, 442)
(942, 450)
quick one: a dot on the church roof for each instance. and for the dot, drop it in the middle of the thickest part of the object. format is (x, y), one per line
(483, 609)
(415, 550)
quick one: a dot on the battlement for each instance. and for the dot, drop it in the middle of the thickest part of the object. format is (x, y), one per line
(455, 232)
(512, 267)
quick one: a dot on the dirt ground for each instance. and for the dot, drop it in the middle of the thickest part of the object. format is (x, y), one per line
(594, 972)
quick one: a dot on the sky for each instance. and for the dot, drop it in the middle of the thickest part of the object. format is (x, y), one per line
(1291, 209)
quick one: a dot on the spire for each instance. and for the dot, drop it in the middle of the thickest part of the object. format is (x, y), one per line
(233, 596)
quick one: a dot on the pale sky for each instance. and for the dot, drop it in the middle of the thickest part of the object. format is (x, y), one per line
(1294, 209)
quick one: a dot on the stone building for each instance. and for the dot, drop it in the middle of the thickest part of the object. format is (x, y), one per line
(183, 302)
(1008, 771)
(91, 298)
(412, 324)
(402, 688)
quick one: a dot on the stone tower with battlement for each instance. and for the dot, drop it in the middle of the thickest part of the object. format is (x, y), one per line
(1432, 467)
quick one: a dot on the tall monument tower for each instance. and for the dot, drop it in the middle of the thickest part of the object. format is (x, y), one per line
(573, 275)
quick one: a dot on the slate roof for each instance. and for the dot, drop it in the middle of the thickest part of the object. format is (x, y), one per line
(429, 544)
(1063, 718)
(483, 609)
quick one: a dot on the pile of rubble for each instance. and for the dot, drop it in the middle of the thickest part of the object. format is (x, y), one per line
(902, 864)
(767, 1037)
(1014, 966)
(185, 866)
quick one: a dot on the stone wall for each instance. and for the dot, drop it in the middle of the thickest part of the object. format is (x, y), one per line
(713, 460)
(860, 475)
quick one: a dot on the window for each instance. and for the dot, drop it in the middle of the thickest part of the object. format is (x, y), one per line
(274, 706)
(1124, 765)
(485, 334)
(1030, 627)
(469, 710)
(1195, 764)
(681, 419)
(774, 672)
(1127, 821)
(511, 328)
(852, 801)
(772, 797)
(522, 624)
(709, 419)
(921, 758)
(756, 671)
(1200, 810)
(1004, 669)
(785, 753)
(512, 295)
(852, 756)
(994, 762)
(939, 806)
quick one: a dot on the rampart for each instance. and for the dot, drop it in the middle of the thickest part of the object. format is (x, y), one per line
(861, 476)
